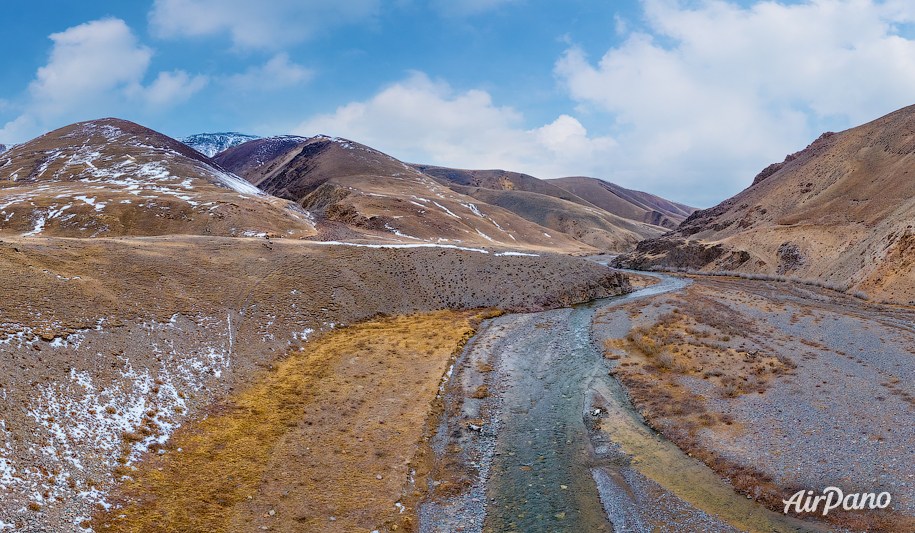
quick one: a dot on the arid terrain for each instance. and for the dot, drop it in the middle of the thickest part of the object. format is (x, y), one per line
(839, 213)
(371, 195)
(111, 177)
(778, 387)
(110, 344)
(145, 285)
(306, 334)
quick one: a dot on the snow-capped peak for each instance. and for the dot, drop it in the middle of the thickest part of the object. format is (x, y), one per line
(210, 144)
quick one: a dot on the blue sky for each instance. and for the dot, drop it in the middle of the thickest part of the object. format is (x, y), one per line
(686, 99)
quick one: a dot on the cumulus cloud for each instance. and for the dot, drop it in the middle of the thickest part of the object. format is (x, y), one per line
(170, 88)
(279, 72)
(709, 92)
(261, 24)
(86, 62)
(96, 67)
(427, 121)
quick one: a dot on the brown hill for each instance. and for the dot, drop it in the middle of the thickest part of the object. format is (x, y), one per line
(588, 224)
(359, 193)
(841, 212)
(626, 203)
(542, 202)
(500, 180)
(112, 177)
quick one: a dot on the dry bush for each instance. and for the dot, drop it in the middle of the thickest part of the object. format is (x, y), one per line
(481, 392)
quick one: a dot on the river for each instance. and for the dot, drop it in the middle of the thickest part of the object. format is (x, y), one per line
(555, 444)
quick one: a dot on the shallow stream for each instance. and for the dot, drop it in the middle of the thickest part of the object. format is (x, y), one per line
(563, 448)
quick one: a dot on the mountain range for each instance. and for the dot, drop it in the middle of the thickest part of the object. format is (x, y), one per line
(355, 187)
(146, 280)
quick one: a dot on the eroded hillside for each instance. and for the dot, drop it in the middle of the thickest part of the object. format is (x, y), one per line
(112, 177)
(110, 344)
(840, 212)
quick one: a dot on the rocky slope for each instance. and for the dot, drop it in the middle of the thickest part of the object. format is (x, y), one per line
(588, 224)
(108, 345)
(840, 212)
(210, 144)
(626, 203)
(112, 177)
(500, 180)
(542, 202)
(360, 194)
(4, 148)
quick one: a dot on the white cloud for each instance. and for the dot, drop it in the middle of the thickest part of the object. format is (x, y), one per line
(260, 24)
(711, 91)
(94, 69)
(425, 121)
(174, 87)
(279, 72)
(86, 62)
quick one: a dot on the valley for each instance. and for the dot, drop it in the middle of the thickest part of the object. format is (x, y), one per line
(307, 334)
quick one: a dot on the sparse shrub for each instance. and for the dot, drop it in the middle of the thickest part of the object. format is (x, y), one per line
(665, 361)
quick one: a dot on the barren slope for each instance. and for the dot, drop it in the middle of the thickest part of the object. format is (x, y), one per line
(111, 177)
(107, 345)
(585, 223)
(361, 193)
(501, 180)
(840, 212)
(626, 203)
(547, 205)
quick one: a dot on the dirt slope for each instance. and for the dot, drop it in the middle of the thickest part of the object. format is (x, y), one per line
(500, 180)
(626, 203)
(111, 177)
(588, 224)
(107, 345)
(841, 211)
(362, 194)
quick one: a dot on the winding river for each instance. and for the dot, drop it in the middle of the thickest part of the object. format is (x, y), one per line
(562, 448)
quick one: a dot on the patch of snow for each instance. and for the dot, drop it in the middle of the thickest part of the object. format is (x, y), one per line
(39, 226)
(424, 245)
(397, 232)
(485, 236)
(519, 254)
(445, 209)
(303, 335)
(473, 209)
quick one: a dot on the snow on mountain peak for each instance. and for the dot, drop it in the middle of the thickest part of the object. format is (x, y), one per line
(210, 144)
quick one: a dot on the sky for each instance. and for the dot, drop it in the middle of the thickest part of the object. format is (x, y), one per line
(687, 99)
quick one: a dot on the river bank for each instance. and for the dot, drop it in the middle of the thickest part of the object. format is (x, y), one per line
(554, 445)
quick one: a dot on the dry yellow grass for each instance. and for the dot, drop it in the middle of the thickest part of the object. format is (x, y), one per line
(322, 442)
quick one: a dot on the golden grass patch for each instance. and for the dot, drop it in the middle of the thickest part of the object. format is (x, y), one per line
(322, 442)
